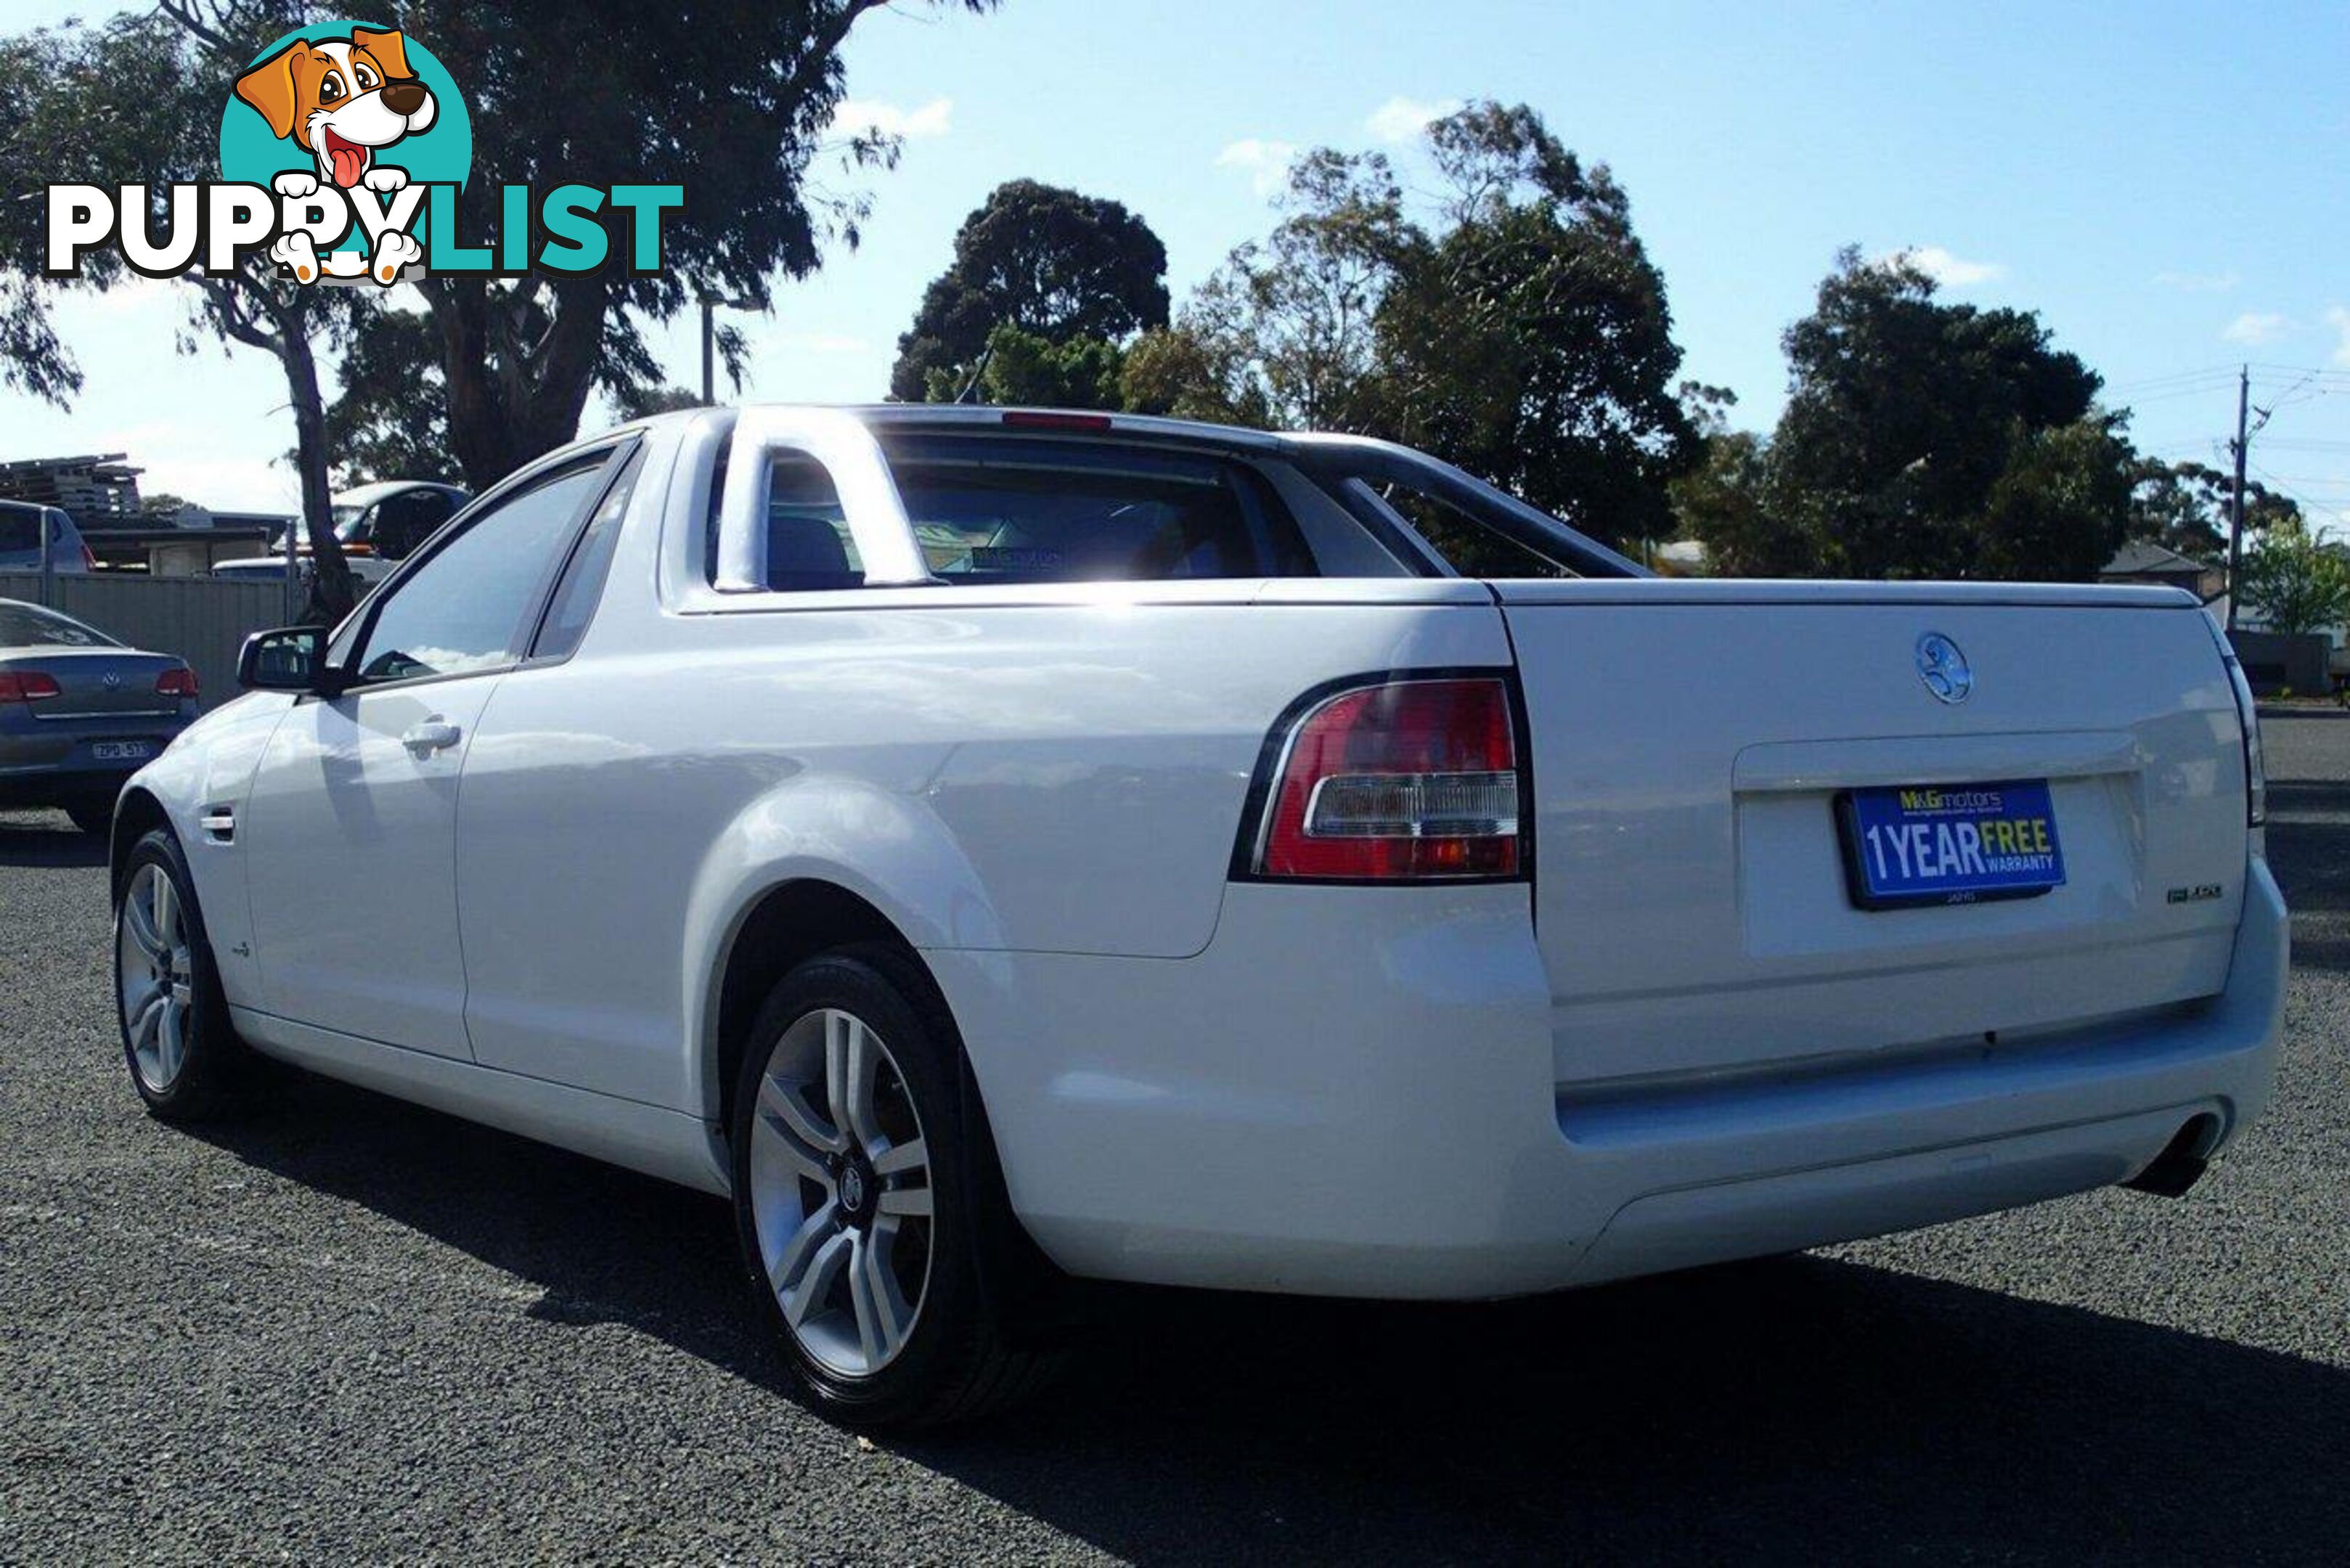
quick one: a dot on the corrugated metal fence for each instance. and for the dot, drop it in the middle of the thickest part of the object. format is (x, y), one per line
(204, 620)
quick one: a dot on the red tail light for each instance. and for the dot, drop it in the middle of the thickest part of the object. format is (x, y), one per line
(1399, 781)
(180, 683)
(88, 559)
(26, 685)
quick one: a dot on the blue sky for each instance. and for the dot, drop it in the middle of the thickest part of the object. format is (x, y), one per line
(2168, 184)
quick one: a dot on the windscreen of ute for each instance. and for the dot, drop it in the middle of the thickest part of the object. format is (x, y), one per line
(994, 510)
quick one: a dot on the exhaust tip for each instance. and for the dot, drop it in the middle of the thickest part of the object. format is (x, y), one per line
(2183, 1160)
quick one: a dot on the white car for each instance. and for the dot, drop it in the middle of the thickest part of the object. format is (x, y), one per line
(993, 847)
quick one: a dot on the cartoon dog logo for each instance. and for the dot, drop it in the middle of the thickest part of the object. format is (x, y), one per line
(342, 100)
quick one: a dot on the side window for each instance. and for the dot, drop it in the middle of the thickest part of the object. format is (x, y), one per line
(464, 608)
(809, 545)
(582, 583)
(808, 541)
(406, 520)
(996, 510)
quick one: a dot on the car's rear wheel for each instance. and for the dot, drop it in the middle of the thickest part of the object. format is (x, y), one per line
(168, 1000)
(860, 1197)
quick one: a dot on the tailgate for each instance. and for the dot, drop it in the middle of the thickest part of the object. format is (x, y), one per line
(1691, 746)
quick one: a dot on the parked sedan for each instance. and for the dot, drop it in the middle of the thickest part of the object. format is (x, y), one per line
(79, 712)
(995, 845)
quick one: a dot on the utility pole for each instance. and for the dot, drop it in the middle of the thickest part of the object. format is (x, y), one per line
(710, 304)
(2235, 513)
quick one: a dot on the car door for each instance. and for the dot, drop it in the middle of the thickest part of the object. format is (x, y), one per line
(349, 830)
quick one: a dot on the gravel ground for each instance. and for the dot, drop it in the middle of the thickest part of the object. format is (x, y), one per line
(345, 1328)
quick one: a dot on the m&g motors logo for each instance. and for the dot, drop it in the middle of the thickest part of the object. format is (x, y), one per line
(342, 147)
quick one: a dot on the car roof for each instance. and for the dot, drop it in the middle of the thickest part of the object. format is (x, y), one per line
(1018, 420)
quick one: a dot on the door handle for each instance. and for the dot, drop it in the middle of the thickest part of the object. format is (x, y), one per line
(435, 735)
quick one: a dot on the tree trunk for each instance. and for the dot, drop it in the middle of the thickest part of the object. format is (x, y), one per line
(332, 592)
(509, 401)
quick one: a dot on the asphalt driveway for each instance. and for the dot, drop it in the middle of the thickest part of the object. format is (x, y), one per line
(342, 1327)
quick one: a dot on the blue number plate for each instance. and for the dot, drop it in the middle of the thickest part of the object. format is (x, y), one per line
(1949, 843)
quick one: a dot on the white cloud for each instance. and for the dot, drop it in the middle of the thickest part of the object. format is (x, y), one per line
(1267, 161)
(2198, 282)
(2255, 326)
(932, 118)
(1950, 271)
(2338, 318)
(1400, 118)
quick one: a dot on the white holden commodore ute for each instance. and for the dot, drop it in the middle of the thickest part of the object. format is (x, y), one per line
(999, 849)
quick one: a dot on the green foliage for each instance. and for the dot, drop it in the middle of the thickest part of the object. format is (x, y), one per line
(1028, 368)
(137, 100)
(2060, 507)
(644, 402)
(2294, 584)
(2184, 507)
(1920, 439)
(1190, 375)
(1531, 344)
(1725, 503)
(392, 420)
(1905, 413)
(735, 99)
(1056, 267)
(1523, 333)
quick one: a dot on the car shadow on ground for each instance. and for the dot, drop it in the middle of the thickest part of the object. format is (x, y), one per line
(44, 838)
(1774, 1410)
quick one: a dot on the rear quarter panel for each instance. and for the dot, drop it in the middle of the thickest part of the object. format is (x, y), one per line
(1064, 777)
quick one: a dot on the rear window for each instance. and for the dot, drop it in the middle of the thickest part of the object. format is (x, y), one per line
(28, 625)
(19, 531)
(990, 509)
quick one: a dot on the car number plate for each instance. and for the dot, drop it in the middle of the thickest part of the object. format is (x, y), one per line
(1949, 843)
(122, 751)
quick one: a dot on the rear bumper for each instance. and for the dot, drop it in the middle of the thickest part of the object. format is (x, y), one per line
(51, 761)
(1352, 1092)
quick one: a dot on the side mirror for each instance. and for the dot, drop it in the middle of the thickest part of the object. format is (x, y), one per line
(291, 658)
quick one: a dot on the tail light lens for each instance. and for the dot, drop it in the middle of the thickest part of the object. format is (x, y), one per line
(1402, 781)
(26, 685)
(88, 559)
(2256, 771)
(180, 683)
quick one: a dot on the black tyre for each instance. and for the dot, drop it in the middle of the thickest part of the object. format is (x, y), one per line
(90, 817)
(866, 1200)
(174, 1021)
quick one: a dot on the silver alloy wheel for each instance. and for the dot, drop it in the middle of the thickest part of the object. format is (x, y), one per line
(840, 1192)
(154, 982)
